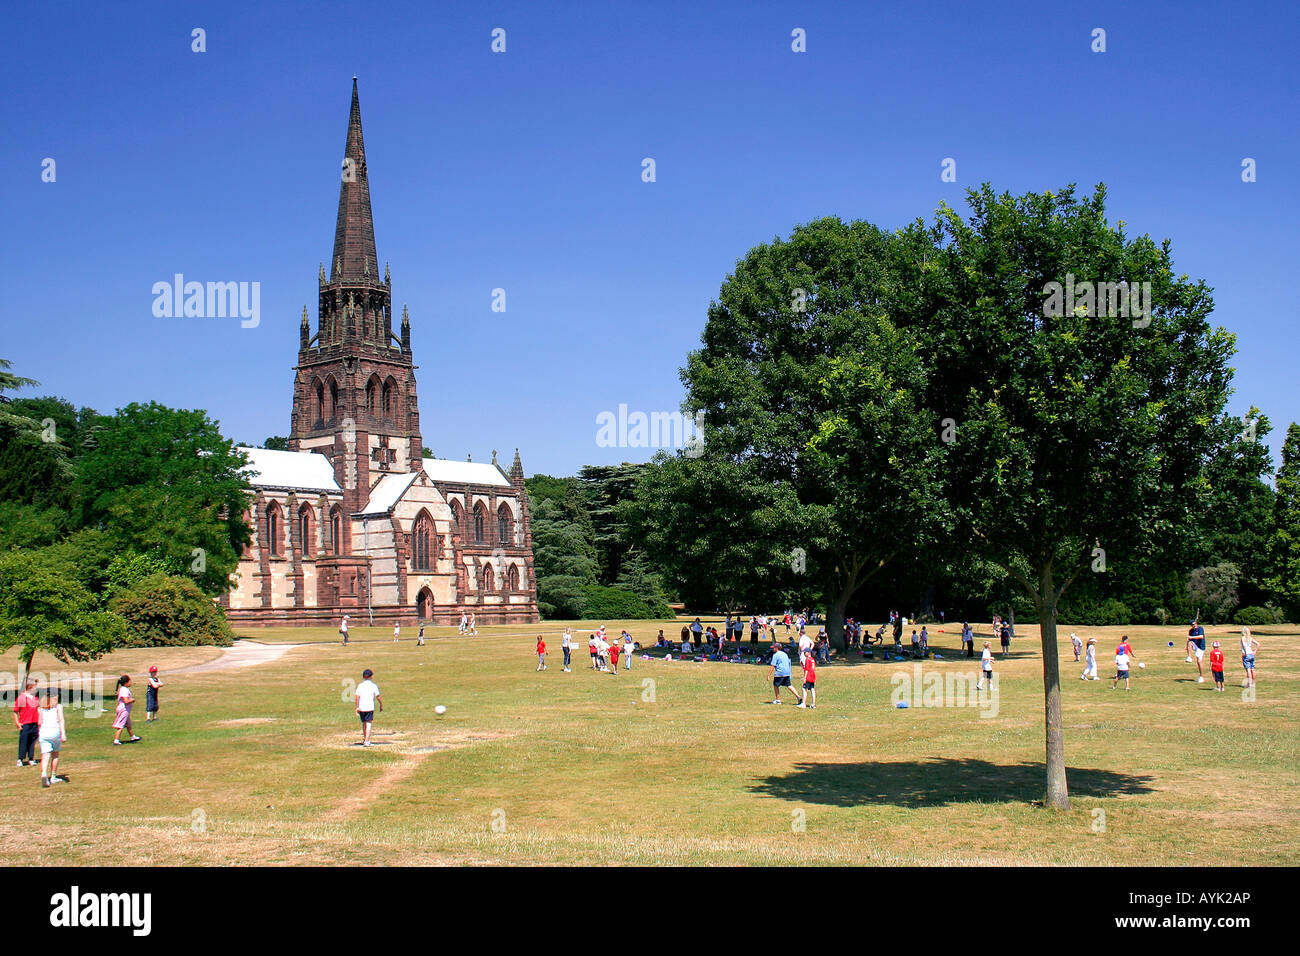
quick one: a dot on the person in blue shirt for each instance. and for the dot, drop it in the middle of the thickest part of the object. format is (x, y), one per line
(1196, 645)
(781, 674)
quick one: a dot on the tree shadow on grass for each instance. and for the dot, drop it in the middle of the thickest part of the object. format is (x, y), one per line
(938, 782)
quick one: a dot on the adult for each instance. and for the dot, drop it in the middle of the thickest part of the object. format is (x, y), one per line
(1006, 638)
(566, 645)
(27, 720)
(1249, 648)
(629, 647)
(343, 628)
(1196, 647)
(473, 623)
(367, 697)
(968, 638)
(898, 628)
(464, 623)
(53, 734)
(781, 674)
(1090, 661)
(805, 644)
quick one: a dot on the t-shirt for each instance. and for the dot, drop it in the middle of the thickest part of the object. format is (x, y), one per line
(805, 644)
(1246, 645)
(809, 670)
(541, 647)
(1197, 635)
(986, 659)
(1121, 660)
(566, 641)
(781, 663)
(697, 627)
(343, 625)
(367, 694)
(26, 707)
(51, 721)
(1216, 660)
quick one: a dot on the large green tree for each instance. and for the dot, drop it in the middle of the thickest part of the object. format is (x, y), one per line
(166, 481)
(1284, 541)
(811, 407)
(1078, 433)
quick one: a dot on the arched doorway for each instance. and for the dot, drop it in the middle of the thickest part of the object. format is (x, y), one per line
(424, 604)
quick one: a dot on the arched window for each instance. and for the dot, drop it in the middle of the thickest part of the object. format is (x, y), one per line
(336, 530)
(389, 397)
(273, 544)
(457, 517)
(318, 387)
(306, 531)
(505, 525)
(479, 520)
(334, 399)
(488, 579)
(370, 396)
(423, 543)
(512, 578)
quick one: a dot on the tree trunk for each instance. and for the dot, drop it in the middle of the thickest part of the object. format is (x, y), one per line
(1058, 792)
(835, 621)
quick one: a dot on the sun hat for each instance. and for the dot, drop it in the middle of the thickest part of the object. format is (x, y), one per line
(153, 668)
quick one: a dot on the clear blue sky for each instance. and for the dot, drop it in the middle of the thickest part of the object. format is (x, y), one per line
(523, 171)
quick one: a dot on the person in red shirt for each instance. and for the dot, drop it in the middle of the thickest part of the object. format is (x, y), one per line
(613, 657)
(541, 653)
(27, 720)
(1216, 666)
(809, 666)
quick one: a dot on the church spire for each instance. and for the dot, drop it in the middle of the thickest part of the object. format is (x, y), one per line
(354, 235)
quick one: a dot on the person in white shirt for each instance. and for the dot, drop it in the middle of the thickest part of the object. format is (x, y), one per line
(397, 632)
(51, 735)
(1078, 645)
(1090, 661)
(986, 667)
(628, 648)
(343, 628)
(566, 645)
(464, 622)
(805, 644)
(367, 695)
(1249, 647)
(473, 624)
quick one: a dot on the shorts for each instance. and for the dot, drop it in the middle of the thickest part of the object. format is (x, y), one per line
(1218, 676)
(367, 716)
(810, 685)
(1121, 675)
(779, 682)
(1200, 652)
(49, 744)
(1248, 661)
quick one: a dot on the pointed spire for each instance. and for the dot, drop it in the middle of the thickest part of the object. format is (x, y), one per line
(322, 273)
(354, 234)
(304, 329)
(517, 469)
(387, 280)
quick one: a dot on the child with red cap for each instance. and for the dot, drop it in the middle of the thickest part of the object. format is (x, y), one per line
(151, 695)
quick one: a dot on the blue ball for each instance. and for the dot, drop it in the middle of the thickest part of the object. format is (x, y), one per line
(901, 704)
(1171, 643)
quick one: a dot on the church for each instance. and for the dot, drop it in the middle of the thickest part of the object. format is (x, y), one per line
(353, 518)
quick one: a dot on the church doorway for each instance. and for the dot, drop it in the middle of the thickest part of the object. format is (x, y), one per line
(424, 604)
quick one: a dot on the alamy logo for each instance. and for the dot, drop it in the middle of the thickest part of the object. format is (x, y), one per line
(1109, 299)
(74, 909)
(215, 300)
(653, 430)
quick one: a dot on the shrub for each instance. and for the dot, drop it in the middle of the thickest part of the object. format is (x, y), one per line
(1255, 615)
(615, 604)
(163, 610)
(1098, 613)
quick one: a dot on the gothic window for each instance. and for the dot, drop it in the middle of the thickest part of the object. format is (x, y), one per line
(505, 525)
(306, 531)
(478, 524)
(388, 398)
(336, 530)
(320, 401)
(370, 397)
(488, 580)
(423, 543)
(456, 517)
(334, 399)
(273, 544)
(512, 578)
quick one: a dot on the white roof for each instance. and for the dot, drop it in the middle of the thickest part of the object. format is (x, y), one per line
(464, 472)
(388, 492)
(299, 470)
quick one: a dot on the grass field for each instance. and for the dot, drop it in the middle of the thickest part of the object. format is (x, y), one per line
(258, 764)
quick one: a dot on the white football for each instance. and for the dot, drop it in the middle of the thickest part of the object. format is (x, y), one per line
(1142, 664)
(440, 710)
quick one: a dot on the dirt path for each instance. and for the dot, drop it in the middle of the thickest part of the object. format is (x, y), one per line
(243, 654)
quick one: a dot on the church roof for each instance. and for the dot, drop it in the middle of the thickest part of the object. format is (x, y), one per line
(296, 470)
(387, 493)
(464, 472)
(354, 234)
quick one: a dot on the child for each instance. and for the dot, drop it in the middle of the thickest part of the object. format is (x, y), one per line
(986, 667)
(628, 648)
(122, 720)
(968, 639)
(1216, 666)
(1078, 645)
(566, 645)
(397, 632)
(367, 696)
(52, 734)
(1249, 648)
(925, 641)
(916, 644)
(809, 683)
(151, 695)
(595, 655)
(1090, 661)
(613, 657)
(1006, 639)
(541, 653)
(473, 624)
(1123, 655)
(419, 638)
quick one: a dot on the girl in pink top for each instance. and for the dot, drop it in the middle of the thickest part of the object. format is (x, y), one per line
(122, 721)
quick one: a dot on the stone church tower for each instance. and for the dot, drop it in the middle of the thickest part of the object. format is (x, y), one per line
(353, 518)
